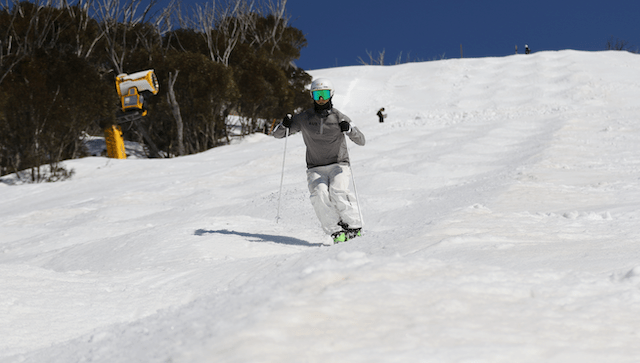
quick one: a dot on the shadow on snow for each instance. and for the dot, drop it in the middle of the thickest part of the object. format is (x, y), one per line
(253, 237)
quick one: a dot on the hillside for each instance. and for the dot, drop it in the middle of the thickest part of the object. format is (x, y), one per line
(501, 201)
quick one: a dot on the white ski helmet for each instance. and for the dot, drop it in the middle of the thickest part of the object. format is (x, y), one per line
(321, 84)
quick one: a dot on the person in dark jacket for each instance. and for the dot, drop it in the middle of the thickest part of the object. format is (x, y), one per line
(323, 130)
(381, 115)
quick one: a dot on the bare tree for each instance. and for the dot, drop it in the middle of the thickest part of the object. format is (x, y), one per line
(80, 13)
(276, 11)
(175, 110)
(117, 22)
(222, 27)
(617, 44)
(43, 30)
(379, 60)
(373, 61)
(205, 20)
(39, 33)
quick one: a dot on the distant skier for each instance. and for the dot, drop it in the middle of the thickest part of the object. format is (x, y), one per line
(323, 130)
(381, 115)
(526, 49)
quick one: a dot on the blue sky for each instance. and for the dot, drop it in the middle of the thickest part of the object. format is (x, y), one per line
(339, 32)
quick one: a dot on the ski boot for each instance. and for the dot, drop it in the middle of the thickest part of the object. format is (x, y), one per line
(352, 233)
(339, 237)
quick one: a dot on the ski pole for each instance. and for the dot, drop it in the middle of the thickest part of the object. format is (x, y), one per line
(353, 180)
(286, 137)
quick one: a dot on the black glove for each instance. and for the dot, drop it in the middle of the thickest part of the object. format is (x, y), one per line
(345, 126)
(286, 121)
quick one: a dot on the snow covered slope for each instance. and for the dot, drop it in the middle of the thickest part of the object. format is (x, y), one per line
(501, 201)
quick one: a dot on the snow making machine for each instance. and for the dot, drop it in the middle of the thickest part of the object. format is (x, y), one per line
(132, 90)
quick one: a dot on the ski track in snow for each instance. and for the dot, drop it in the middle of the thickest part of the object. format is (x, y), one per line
(500, 199)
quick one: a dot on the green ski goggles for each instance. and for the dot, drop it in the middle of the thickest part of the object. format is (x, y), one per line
(324, 93)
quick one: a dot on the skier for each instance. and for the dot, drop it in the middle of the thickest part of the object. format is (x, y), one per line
(381, 115)
(323, 130)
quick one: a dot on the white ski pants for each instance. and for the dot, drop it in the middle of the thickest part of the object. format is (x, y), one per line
(331, 198)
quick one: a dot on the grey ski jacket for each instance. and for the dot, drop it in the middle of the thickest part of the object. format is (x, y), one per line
(321, 133)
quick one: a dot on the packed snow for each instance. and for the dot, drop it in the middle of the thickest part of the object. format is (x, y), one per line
(501, 204)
